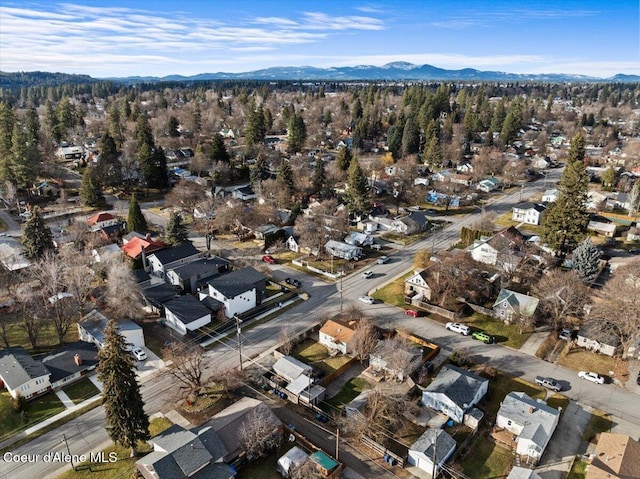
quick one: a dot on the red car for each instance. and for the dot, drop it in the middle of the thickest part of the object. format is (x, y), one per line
(412, 312)
(267, 258)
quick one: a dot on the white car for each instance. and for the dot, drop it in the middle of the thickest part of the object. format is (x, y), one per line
(139, 354)
(382, 259)
(459, 328)
(367, 274)
(367, 299)
(591, 376)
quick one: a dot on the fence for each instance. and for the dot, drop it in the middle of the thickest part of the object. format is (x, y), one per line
(431, 308)
(305, 264)
(380, 449)
(338, 372)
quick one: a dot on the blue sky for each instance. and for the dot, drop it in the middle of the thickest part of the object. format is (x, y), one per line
(124, 38)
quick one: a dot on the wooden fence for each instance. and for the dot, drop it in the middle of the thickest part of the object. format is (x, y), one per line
(380, 449)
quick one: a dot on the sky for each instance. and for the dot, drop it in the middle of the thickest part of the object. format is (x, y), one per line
(156, 38)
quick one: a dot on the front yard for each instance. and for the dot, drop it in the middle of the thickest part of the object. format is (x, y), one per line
(505, 334)
(81, 390)
(393, 293)
(579, 359)
(37, 410)
(316, 355)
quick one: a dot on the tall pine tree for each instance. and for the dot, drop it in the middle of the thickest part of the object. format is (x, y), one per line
(176, 232)
(357, 196)
(319, 177)
(123, 405)
(37, 238)
(91, 190)
(219, 150)
(586, 260)
(565, 222)
(297, 133)
(135, 219)
(344, 157)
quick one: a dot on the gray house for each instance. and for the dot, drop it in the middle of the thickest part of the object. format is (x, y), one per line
(186, 276)
(433, 443)
(22, 375)
(161, 261)
(512, 306)
(186, 313)
(591, 336)
(343, 250)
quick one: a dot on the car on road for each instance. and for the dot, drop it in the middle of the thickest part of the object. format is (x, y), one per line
(412, 312)
(366, 299)
(139, 354)
(484, 337)
(382, 259)
(267, 258)
(591, 376)
(548, 383)
(459, 328)
(566, 334)
(367, 274)
(293, 282)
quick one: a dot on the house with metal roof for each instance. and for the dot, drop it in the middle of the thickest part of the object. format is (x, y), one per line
(454, 391)
(91, 330)
(531, 421)
(513, 306)
(186, 313)
(433, 444)
(22, 375)
(239, 290)
(290, 368)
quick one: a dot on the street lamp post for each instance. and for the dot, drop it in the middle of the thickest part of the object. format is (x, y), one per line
(238, 330)
(64, 440)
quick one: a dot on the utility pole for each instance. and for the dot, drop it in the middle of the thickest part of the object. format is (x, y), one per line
(337, 443)
(434, 444)
(341, 276)
(64, 439)
(238, 321)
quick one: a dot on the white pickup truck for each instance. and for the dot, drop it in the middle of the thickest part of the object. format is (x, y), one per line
(548, 383)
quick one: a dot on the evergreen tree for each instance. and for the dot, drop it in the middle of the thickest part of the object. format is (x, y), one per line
(344, 157)
(219, 150)
(319, 177)
(410, 138)
(32, 127)
(37, 238)
(255, 129)
(356, 196)
(284, 177)
(565, 222)
(609, 177)
(172, 127)
(7, 121)
(144, 133)
(511, 127)
(24, 159)
(109, 167)
(123, 405)
(176, 233)
(91, 190)
(586, 260)
(51, 119)
(395, 140)
(297, 133)
(153, 166)
(259, 172)
(499, 115)
(135, 219)
(433, 153)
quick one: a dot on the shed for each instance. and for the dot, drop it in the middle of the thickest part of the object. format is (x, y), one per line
(294, 457)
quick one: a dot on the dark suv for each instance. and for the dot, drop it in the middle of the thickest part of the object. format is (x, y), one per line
(293, 282)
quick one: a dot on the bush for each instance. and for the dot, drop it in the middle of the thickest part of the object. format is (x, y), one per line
(19, 404)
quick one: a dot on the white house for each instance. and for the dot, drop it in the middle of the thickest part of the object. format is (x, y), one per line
(532, 421)
(522, 473)
(413, 222)
(489, 184)
(343, 250)
(549, 196)
(358, 239)
(102, 220)
(592, 337)
(454, 391)
(434, 443)
(605, 229)
(293, 458)
(238, 291)
(529, 213)
(416, 285)
(22, 375)
(186, 313)
(292, 244)
(337, 336)
(290, 368)
(500, 250)
(91, 330)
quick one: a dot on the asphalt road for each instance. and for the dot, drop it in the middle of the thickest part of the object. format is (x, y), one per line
(87, 432)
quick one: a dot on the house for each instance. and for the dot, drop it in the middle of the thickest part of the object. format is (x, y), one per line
(601, 228)
(292, 244)
(290, 368)
(91, 330)
(465, 167)
(162, 260)
(244, 193)
(70, 363)
(359, 239)
(239, 291)
(304, 390)
(634, 233)
(416, 286)
(489, 184)
(616, 456)
(461, 179)
(336, 335)
(228, 423)
(186, 313)
(454, 391)
(591, 336)
(522, 473)
(186, 276)
(532, 421)
(156, 295)
(501, 250)
(70, 153)
(12, 254)
(528, 213)
(22, 375)
(102, 220)
(435, 445)
(261, 232)
(179, 454)
(595, 200)
(343, 250)
(358, 404)
(292, 459)
(394, 360)
(512, 306)
(441, 176)
(106, 253)
(549, 196)
(46, 188)
(136, 245)
(414, 222)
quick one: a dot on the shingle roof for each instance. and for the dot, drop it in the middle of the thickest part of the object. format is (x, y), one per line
(526, 305)
(169, 255)
(61, 362)
(537, 419)
(617, 455)
(232, 284)
(159, 294)
(338, 331)
(94, 323)
(444, 444)
(17, 367)
(187, 308)
(200, 267)
(458, 384)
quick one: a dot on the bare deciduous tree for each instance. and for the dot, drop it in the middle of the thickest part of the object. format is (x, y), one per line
(260, 432)
(230, 379)
(188, 365)
(364, 339)
(307, 470)
(123, 293)
(562, 295)
(286, 340)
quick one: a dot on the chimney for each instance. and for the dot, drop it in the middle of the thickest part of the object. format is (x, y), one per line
(531, 409)
(77, 359)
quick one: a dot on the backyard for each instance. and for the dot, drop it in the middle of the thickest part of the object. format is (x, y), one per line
(348, 392)
(502, 385)
(484, 459)
(265, 467)
(316, 355)
(37, 410)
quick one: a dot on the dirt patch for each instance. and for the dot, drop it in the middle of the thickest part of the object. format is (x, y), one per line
(202, 411)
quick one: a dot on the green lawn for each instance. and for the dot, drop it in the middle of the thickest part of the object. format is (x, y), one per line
(348, 392)
(600, 422)
(557, 401)
(486, 460)
(505, 334)
(503, 385)
(47, 340)
(37, 410)
(578, 470)
(124, 467)
(81, 390)
(316, 355)
(393, 293)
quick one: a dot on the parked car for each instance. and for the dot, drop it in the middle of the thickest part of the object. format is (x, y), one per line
(367, 299)
(484, 337)
(591, 376)
(412, 312)
(566, 334)
(382, 259)
(267, 258)
(293, 282)
(459, 328)
(367, 274)
(548, 383)
(139, 354)
(638, 379)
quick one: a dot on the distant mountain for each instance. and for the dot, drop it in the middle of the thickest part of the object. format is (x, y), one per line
(396, 71)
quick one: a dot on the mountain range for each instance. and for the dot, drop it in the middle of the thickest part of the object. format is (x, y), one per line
(396, 71)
